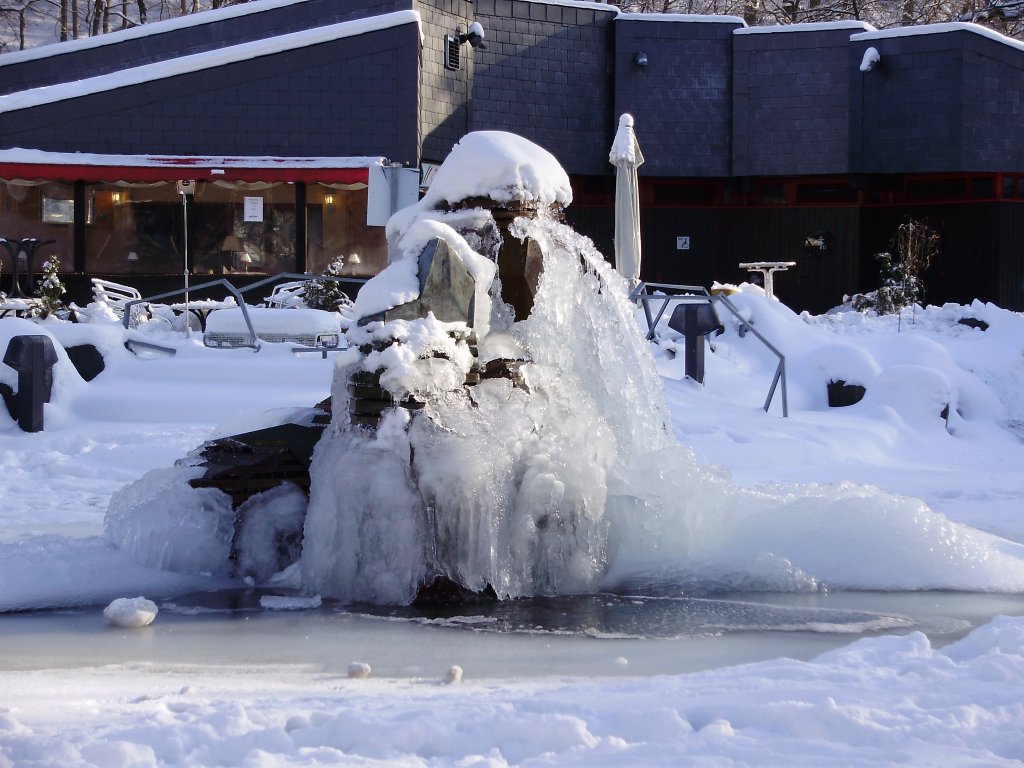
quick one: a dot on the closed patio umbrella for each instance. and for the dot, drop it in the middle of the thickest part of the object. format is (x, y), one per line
(626, 158)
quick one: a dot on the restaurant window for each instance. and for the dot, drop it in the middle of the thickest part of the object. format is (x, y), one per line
(336, 226)
(43, 210)
(233, 227)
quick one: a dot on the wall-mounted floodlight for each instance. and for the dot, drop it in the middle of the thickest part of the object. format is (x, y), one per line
(872, 60)
(640, 59)
(475, 36)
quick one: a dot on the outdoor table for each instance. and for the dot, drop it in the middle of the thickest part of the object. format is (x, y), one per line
(768, 270)
(202, 308)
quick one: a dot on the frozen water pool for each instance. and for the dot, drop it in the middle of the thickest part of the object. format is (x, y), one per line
(597, 635)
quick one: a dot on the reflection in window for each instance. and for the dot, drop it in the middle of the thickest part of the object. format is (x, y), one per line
(43, 210)
(233, 227)
(336, 226)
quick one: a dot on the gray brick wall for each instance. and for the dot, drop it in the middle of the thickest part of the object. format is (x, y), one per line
(682, 99)
(444, 93)
(547, 75)
(791, 102)
(945, 102)
(993, 106)
(355, 96)
(906, 114)
(162, 45)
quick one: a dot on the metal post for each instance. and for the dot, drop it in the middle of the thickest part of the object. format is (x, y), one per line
(184, 216)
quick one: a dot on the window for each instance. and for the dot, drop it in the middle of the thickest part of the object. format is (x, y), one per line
(43, 210)
(336, 226)
(451, 52)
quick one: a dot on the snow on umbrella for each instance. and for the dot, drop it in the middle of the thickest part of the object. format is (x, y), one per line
(626, 158)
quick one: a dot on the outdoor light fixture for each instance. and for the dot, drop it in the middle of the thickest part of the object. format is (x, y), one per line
(329, 201)
(872, 60)
(641, 59)
(475, 36)
(115, 198)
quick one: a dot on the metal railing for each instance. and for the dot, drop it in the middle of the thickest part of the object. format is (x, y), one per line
(237, 293)
(780, 369)
(698, 293)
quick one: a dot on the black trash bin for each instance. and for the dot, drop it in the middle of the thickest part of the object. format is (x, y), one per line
(33, 357)
(695, 321)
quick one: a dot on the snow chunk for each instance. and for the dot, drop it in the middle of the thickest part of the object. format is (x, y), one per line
(453, 675)
(870, 60)
(359, 670)
(131, 612)
(290, 603)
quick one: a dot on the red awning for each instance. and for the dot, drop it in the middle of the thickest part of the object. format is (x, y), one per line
(179, 168)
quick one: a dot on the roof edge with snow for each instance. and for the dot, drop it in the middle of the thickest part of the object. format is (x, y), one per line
(197, 62)
(692, 18)
(823, 26)
(36, 163)
(144, 30)
(938, 29)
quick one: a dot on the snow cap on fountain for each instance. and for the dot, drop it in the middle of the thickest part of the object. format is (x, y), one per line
(501, 166)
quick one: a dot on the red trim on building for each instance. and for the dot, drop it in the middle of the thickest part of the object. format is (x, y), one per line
(180, 169)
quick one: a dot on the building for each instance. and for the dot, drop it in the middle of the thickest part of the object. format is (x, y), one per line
(290, 119)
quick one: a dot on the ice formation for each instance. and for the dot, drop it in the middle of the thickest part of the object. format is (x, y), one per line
(131, 612)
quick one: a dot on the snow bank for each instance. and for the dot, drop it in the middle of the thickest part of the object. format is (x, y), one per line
(876, 702)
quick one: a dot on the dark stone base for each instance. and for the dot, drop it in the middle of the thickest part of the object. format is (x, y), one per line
(443, 591)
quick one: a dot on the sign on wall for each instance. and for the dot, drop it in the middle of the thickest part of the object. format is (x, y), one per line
(253, 209)
(683, 243)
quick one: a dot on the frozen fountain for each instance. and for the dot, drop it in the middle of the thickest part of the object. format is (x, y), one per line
(499, 430)
(524, 403)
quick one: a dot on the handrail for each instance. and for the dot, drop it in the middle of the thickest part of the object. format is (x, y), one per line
(684, 292)
(700, 293)
(780, 369)
(253, 339)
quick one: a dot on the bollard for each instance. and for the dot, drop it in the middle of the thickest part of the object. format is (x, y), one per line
(694, 321)
(33, 357)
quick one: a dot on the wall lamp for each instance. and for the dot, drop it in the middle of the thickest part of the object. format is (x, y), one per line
(475, 36)
(872, 60)
(640, 59)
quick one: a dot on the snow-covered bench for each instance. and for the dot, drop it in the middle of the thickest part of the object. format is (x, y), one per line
(308, 327)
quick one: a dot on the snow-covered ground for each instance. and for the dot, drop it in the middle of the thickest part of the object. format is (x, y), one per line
(881, 700)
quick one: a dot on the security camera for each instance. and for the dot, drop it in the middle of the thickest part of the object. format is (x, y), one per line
(475, 36)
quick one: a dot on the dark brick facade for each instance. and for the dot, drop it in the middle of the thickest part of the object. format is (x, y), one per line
(791, 101)
(681, 98)
(937, 103)
(547, 75)
(229, 26)
(272, 105)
